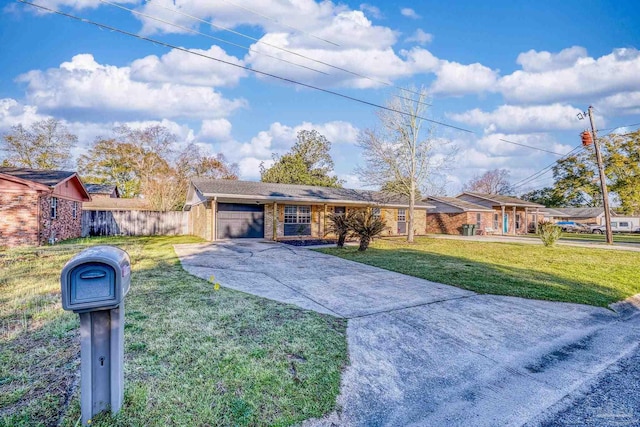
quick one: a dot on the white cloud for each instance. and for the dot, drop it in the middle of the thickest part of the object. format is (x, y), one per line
(409, 13)
(454, 78)
(587, 78)
(189, 69)
(371, 10)
(217, 129)
(13, 113)
(250, 167)
(420, 37)
(535, 62)
(623, 103)
(86, 87)
(510, 118)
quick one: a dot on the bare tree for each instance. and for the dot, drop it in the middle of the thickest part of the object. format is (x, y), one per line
(44, 145)
(495, 181)
(402, 152)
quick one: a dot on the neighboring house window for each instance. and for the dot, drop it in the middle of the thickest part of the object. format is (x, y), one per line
(478, 220)
(297, 220)
(54, 207)
(624, 225)
(376, 212)
(517, 221)
(495, 221)
(74, 209)
(402, 215)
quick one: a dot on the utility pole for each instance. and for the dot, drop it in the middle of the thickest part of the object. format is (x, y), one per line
(603, 183)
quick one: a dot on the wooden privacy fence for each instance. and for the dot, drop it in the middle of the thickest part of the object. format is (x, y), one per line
(134, 223)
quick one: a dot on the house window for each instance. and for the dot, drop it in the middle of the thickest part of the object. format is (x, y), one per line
(495, 221)
(376, 212)
(478, 220)
(517, 221)
(339, 210)
(54, 207)
(297, 220)
(74, 209)
(402, 215)
(624, 224)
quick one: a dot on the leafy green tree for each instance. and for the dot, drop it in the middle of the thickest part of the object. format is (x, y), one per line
(309, 163)
(546, 196)
(576, 179)
(45, 144)
(622, 159)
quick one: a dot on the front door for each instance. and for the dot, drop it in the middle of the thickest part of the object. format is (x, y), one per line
(505, 223)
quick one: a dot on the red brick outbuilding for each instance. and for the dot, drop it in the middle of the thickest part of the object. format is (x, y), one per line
(40, 206)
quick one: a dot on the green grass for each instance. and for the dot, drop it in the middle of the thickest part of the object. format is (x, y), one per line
(560, 273)
(193, 355)
(617, 237)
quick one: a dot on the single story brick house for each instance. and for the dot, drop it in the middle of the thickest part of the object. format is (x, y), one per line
(450, 214)
(222, 209)
(511, 215)
(583, 215)
(40, 206)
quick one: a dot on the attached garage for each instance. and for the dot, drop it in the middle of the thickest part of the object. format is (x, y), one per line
(236, 220)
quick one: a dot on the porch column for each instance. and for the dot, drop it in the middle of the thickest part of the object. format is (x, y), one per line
(502, 222)
(536, 220)
(514, 221)
(324, 221)
(526, 220)
(275, 221)
(214, 208)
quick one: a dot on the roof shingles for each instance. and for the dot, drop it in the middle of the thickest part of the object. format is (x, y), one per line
(300, 193)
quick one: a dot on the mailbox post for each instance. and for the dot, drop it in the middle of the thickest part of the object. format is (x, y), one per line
(94, 284)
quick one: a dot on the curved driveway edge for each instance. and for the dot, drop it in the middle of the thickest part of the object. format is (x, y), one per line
(424, 353)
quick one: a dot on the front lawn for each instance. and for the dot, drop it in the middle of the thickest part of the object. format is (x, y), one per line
(561, 273)
(194, 356)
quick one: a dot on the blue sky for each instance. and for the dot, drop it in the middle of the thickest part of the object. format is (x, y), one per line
(519, 71)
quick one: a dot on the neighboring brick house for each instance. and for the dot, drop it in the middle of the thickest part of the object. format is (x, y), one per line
(511, 215)
(450, 214)
(583, 215)
(40, 206)
(242, 209)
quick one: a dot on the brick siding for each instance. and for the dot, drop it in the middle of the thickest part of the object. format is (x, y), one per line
(64, 226)
(18, 219)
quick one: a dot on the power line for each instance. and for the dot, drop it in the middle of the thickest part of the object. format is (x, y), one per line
(238, 33)
(209, 36)
(285, 79)
(280, 23)
(545, 169)
(534, 177)
(530, 146)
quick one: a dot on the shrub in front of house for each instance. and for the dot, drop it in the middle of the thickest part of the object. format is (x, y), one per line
(549, 233)
(366, 226)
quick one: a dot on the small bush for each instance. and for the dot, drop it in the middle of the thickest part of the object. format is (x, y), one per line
(339, 225)
(366, 226)
(549, 233)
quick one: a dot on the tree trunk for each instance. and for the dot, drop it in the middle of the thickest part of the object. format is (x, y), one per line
(412, 202)
(341, 238)
(364, 244)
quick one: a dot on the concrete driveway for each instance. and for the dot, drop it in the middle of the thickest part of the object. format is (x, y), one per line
(428, 354)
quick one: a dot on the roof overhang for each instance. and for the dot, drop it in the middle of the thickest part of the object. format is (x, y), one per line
(522, 204)
(252, 198)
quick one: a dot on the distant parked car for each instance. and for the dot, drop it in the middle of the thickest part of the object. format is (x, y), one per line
(573, 227)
